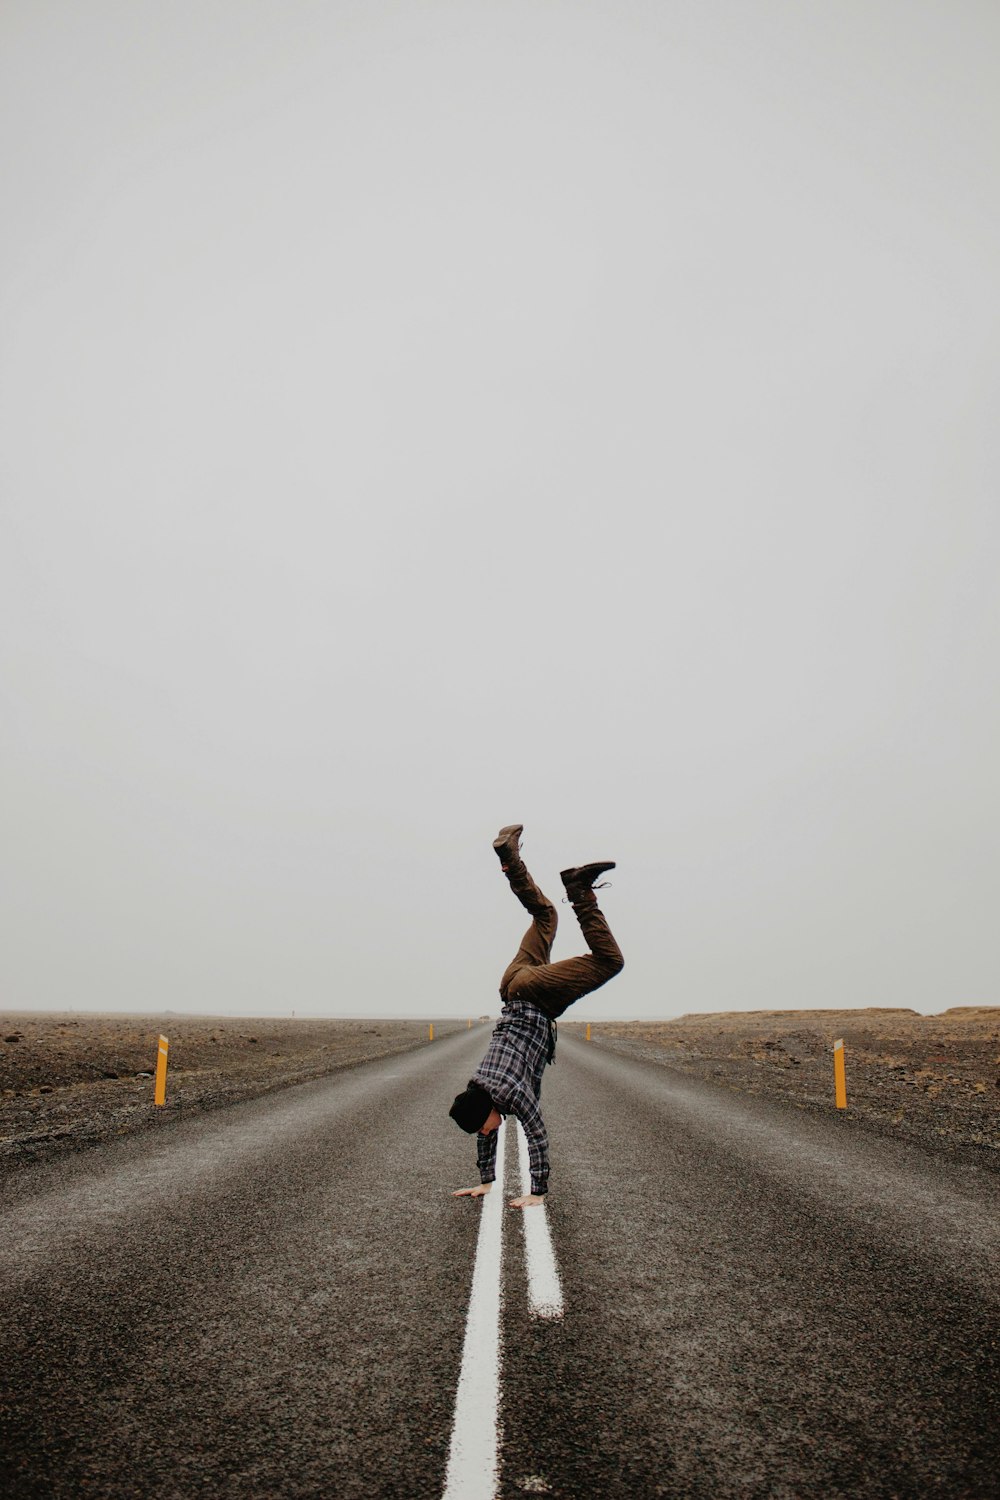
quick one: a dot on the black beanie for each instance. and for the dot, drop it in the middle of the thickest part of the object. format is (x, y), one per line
(472, 1109)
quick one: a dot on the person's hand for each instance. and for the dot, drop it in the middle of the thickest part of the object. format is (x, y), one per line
(476, 1192)
(529, 1200)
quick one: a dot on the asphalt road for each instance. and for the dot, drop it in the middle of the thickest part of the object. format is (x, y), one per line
(270, 1300)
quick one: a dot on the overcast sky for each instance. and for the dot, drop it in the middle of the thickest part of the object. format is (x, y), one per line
(422, 416)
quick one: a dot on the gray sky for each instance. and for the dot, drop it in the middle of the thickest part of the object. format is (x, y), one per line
(418, 417)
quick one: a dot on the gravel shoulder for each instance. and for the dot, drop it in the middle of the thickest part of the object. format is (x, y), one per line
(934, 1080)
(71, 1081)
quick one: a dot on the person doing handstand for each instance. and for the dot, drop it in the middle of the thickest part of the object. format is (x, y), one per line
(535, 992)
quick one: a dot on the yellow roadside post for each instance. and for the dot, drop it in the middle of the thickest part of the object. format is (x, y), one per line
(588, 1031)
(839, 1078)
(430, 1029)
(160, 1094)
(470, 1025)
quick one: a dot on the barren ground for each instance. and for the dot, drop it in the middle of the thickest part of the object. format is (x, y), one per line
(68, 1081)
(73, 1080)
(935, 1079)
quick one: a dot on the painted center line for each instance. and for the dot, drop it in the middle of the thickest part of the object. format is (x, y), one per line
(473, 1458)
(545, 1296)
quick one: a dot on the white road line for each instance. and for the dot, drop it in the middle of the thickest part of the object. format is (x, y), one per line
(545, 1297)
(473, 1459)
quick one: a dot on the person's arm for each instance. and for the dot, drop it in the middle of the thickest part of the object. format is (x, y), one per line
(486, 1160)
(486, 1156)
(524, 1105)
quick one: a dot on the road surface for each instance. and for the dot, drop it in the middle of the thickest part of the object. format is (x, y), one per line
(272, 1301)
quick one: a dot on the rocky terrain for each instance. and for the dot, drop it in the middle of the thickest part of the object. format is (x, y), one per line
(934, 1079)
(73, 1080)
(68, 1081)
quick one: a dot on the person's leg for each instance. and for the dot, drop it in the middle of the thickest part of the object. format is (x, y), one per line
(553, 987)
(536, 945)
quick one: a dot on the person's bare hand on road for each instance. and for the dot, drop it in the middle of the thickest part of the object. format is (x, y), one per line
(476, 1192)
(529, 1200)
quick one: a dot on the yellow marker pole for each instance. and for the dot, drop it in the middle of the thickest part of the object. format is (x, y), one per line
(588, 1031)
(470, 1026)
(839, 1079)
(430, 1036)
(160, 1096)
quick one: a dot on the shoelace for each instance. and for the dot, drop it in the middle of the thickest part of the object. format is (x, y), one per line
(600, 886)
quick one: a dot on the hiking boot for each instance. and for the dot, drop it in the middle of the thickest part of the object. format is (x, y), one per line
(508, 844)
(581, 878)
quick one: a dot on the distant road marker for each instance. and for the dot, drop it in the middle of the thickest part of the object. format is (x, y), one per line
(545, 1296)
(839, 1077)
(473, 1458)
(160, 1091)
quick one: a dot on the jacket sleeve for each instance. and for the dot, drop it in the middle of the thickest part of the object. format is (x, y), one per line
(486, 1156)
(524, 1105)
